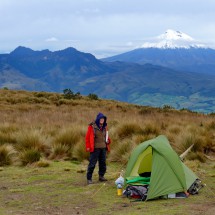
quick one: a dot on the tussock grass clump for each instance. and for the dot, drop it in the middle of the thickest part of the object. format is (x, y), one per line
(43, 163)
(60, 151)
(64, 102)
(79, 152)
(121, 108)
(211, 125)
(202, 145)
(29, 156)
(192, 164)
(208, 146)
(65, 142)
(7, 138)
(43, 95)
(8, 128)
(128, 129)
(6, 133)
(113, 123)
(142, 138)
(68, 137)
(7, 155)
(145, 110)
(32, 139)
(174, 130)
(185, 140)
(121, 151)
(197, 156)
(151, 129)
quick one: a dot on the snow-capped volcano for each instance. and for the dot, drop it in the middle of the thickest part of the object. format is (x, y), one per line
(175, 35)
(173, 39)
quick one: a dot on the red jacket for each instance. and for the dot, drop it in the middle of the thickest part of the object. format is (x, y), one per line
(89, 139)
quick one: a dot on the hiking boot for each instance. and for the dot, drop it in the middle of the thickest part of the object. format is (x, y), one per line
(89, 182)
(102, 178)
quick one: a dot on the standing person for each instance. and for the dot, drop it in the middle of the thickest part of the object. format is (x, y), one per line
(97, 143)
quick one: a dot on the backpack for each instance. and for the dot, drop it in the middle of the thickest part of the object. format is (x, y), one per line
(195, 187)
(138, 192)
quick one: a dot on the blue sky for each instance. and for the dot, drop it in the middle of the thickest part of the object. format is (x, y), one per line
(101, 27)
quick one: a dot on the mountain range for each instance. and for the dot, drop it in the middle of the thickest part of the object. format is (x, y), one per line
(182, 77)
(175, 50)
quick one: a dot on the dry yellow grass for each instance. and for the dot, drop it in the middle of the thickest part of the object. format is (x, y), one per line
(58, 128)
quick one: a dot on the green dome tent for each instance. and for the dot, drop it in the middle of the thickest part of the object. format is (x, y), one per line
(168, 174)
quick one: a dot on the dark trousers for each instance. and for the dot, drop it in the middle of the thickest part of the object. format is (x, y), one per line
(100, 156)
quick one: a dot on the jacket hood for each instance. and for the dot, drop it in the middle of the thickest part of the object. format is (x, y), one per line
(100, 116)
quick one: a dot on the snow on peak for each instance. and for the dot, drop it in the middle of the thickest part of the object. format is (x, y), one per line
(173, 39)
(175, 35)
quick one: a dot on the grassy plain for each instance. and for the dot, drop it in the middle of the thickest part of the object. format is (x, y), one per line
(61, 189)
(43, 160)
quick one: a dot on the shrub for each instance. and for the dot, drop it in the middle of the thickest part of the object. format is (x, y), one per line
(7, 155)
(68, 94)
(77, 95)
(168, 107)
(93, 96)
(186, 110)
(29, 156)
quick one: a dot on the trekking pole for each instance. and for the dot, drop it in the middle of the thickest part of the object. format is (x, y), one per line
(98, 190)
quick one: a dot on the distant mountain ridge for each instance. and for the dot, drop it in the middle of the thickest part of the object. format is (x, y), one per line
(199, 60)
(145, 84)
(39, 63)
(172, 49)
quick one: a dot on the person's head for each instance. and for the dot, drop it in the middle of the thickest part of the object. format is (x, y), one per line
(101, 120)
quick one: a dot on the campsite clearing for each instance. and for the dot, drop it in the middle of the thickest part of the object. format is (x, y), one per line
(61, 189)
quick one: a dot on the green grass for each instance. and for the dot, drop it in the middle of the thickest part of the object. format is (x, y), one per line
(55, 190)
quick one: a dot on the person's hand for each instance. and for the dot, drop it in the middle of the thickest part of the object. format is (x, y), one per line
(88, 149)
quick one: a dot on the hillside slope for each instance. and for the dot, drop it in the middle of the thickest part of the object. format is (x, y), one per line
(130, 82)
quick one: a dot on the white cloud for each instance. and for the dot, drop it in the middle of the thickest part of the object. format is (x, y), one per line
(101, 24)
(51, 39)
